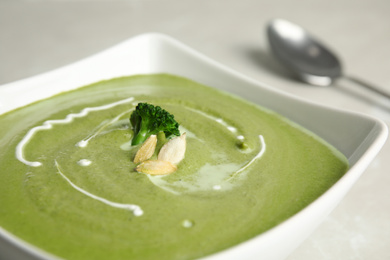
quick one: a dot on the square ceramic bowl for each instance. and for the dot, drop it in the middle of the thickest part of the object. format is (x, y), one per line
(357, 136)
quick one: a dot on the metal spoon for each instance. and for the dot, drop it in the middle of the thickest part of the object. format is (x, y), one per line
(304, 55)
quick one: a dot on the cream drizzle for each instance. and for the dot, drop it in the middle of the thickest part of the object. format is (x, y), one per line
(258, 155)
(49, 124)
(84, 162)
(137, 211)
(216, 119)
(217, 187)
(84, 142)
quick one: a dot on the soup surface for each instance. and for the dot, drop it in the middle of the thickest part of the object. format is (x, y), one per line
(68, 184)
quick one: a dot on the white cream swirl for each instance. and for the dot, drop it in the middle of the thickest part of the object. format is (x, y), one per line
(137, 211)
(221, 181)
(49, 124)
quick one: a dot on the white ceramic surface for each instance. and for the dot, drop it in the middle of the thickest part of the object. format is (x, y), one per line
(358, 136)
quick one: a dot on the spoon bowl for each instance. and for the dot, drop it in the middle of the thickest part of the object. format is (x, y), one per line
(309, 59)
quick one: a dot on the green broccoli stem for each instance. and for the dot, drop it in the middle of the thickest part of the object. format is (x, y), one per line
(143, 133)
(140, 137)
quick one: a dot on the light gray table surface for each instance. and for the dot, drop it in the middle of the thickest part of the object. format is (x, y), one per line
(38, 36)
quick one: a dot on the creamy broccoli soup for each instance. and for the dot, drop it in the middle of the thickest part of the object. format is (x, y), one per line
(68, 183)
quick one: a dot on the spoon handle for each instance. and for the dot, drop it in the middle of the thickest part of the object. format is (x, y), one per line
(367, 85)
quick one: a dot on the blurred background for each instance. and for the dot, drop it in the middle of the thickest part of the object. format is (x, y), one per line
(37, 36)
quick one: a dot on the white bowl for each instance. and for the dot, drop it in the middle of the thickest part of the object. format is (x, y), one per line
(358, 136)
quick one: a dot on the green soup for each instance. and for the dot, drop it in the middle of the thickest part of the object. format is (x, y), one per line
(68, 184)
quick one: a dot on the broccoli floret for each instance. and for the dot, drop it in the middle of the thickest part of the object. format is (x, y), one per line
(148, 120)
